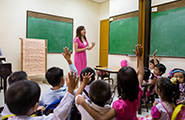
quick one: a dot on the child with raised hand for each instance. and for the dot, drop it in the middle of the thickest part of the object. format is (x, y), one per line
(168, 91)
(88, 70)
(159, 70)
(22, 99)
(153, 61)
(129, 91)
(99, 94)
(180, 75)
(55, 78)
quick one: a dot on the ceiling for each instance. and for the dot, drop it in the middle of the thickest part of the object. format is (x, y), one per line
(99, 1)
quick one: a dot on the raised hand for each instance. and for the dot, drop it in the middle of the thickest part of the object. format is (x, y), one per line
(72, 82)
(66, 53)
(86, 78)
(138, 51)
(155, 53)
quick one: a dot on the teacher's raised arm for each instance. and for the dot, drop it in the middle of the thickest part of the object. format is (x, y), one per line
(81, 45)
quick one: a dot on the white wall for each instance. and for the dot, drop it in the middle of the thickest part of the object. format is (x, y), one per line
(13, 26)
(104, 10)
(123, 6)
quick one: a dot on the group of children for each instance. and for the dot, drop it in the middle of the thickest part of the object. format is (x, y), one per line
(92, 98)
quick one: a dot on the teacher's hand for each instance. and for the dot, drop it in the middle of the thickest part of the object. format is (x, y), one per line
(88, 48)
(93, 44)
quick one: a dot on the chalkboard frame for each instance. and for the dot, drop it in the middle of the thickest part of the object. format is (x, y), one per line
(160, 8)
(49, 17)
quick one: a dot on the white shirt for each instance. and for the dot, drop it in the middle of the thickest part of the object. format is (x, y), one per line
(60, 112)
(85, 43)
(5, 110)
(85, 115)
(162, 110)
(72, 68)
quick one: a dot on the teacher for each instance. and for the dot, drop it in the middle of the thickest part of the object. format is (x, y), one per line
(81, 45)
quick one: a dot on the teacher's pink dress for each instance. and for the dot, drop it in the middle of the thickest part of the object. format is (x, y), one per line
(80, 58)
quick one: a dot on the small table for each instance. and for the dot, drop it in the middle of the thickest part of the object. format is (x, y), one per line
(109, 70)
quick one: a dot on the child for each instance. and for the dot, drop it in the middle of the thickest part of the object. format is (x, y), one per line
(168, 93)
(153, 62)
(180, 75)
(129, 91)
(90, 71)
(146, 75)
(17, 76)
(22, 99)
(55, 78)
(99, 94)
(159, 70)
(14, 77)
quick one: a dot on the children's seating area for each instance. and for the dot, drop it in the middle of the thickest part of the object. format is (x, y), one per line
(44, 86)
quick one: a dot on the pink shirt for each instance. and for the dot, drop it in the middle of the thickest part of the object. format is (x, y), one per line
(80, 59)
(162, 110)
(125, 109)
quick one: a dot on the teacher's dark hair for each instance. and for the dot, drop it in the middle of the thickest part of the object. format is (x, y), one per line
(78, 32)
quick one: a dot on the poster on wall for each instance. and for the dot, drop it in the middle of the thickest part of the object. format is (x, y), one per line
(33, 56)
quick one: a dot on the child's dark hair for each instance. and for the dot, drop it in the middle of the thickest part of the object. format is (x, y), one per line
(152, 61)
(146, 73)
(161, 68)
(54, 76)
(22, 96)
(171, 73)
(17, 76)
(128, 85)
(169, 91)
(100, 92)
(87, 70)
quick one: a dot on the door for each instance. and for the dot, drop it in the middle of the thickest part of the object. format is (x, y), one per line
(104, 42)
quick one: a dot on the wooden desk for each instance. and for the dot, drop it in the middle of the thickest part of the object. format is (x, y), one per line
(108, 70)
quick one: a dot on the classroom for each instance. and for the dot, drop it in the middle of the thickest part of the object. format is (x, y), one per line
(89, 13)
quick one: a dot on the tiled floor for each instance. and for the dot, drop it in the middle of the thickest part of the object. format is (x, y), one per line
(45, 86)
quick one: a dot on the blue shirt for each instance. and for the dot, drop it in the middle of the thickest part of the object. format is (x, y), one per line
(51, 95)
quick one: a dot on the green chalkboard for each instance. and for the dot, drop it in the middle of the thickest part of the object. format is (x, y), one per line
(167, 34)
(123, 36)
(59, 34)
